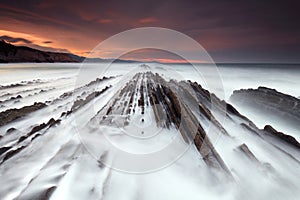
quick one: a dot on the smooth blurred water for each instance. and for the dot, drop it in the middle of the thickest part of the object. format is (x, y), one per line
(284, 78)
(189, 177)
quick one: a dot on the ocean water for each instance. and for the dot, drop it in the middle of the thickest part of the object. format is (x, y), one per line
(284, 78)
(222, 79)
(58, 159)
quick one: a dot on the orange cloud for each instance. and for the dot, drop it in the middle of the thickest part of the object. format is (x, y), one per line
(24, 39)
(33, 39)
(167, 60)
(105, 21)
(148, 20)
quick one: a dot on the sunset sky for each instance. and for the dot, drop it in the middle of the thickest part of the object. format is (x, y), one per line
(231, 31)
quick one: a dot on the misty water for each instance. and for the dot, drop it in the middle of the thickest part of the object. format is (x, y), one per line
(57, 161)
(282, 77)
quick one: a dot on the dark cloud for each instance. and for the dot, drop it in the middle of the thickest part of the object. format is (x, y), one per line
(32, 45)
(234, 30)
(47, 42)
(51, 49)
(14, 40)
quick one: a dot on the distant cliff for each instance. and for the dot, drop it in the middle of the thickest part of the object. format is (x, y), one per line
(10, 53)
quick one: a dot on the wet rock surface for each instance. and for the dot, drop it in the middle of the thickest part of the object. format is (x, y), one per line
(269, 103)
(244, 148)
(284, 137)
(13, 114)
(172, 107)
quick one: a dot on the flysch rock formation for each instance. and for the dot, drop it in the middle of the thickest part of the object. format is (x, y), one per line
(42, 157)
(270, 104)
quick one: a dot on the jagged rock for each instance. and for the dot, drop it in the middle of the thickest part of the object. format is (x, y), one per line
(266, 168)
(169, 110)
(4, 149)
(17, 97)
(269, 102)
(81, 102)
(287, 138)
(10, 130)
(42, 195)
(12, 153)
(10, 86)
(13, 114)
(244, 148)
(37, 128)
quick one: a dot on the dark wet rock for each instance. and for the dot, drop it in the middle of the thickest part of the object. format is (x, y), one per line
(174, 104)
(206, 101)
(10, 130)
(4, 149)
(264, 167)
(98, 80)
(244, 148)
(36, 136)
(233, 110)
(33, 130)
(169, 110)
(37, 128)
(45, 195)
(13, 114)
(66, 113)
(208, 152)
(12, 153)
(141, 101)
(66, 94)
(268, 132)
(11, 86)
(17, 97)
(53, 122)
(251, 128)
(81, 102)
(269, 103)
(284, 137)
(69, 94)
(102, 160)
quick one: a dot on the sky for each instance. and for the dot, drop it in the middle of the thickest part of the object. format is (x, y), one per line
(230, 30)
